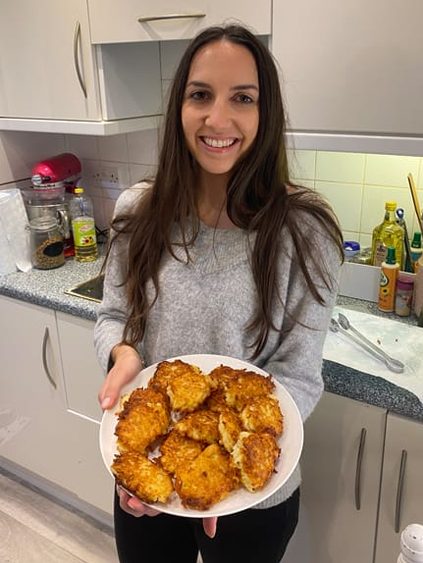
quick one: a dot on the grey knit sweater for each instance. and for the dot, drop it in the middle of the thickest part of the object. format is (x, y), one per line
(204, 305)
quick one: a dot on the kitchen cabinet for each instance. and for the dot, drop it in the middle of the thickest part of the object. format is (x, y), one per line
(352, 73)
(341, 466)
(113, 22)
(52, 79)
(352, 477)
(49, 428)
(401, 497)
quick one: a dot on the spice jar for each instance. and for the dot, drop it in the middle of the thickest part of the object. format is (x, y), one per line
(403, 295)
(47, 243)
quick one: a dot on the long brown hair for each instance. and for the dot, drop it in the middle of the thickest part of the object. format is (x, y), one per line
(257, 198)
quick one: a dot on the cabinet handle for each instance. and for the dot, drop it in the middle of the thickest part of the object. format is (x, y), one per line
(400, 486)
(76, 42)
(358, 469)
(45, 339)
(147, 19)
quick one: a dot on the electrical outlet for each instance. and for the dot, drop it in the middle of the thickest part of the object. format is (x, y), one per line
(114, 176)
(109, 176)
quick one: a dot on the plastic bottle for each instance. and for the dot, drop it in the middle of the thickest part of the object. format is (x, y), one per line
(418, 290)
(416, 250)
(404, 295)
(388, 234)
(387, 285)
(83, 226)
(411, 544)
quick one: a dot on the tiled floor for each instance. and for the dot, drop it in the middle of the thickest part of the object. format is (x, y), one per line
(33, 529)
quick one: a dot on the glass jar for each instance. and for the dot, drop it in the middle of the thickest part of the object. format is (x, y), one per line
(47, 243)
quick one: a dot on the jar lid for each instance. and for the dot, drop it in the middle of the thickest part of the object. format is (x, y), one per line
(43, 223)
(351, 245)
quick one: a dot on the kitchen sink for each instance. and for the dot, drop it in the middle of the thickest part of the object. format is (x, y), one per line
(91, 289)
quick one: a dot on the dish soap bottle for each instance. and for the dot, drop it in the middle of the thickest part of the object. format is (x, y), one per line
(388, 280)
(416, 250)
(387, 234)
(83, 226)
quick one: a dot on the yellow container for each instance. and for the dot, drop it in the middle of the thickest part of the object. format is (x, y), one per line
(388, 234)
(388, 281)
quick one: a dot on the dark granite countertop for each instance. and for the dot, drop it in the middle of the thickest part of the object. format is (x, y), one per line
(46, 288)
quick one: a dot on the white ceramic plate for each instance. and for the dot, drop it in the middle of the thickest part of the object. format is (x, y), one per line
(291, 441)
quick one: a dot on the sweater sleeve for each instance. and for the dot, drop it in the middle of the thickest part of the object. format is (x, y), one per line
(113, 310)
(297, 361)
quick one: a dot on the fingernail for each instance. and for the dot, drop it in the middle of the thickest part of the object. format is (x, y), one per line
(105, 402)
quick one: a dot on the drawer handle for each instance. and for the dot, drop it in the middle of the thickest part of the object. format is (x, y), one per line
(400, 487)
(147, 19)
(76, 42)
(358, 469)
(47, 371)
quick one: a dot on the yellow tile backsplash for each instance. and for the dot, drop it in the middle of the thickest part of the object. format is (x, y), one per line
(357, 186)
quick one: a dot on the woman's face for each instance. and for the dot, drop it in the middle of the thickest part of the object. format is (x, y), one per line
(220, 111)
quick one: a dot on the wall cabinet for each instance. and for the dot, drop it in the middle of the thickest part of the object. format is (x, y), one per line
(152, 20)
(52, 79)
(351, 469)
(49, 419)
(352, 69)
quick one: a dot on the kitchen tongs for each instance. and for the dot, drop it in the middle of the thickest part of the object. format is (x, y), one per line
(344, 326)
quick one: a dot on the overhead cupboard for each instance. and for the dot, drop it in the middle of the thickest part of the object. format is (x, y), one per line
(352, 73)
(93, 67)
(161, 20)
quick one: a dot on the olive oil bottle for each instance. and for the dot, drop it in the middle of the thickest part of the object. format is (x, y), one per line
(388, 234)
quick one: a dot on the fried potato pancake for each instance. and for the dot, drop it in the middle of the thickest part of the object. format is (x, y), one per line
(248, 385)
(144, 418)
(201, 425)
(188, 388)
(178, 450)
(216, 401)
(223, 374)
(142, 477)
(230, 427)
(263, 414)
(208, 479)
(165, 371)
(255, 454)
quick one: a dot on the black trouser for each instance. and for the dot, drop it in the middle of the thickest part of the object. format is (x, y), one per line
(252, 536)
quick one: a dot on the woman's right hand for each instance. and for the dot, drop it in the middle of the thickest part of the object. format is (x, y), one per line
(127, 365)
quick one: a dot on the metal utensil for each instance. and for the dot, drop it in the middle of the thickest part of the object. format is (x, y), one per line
(392, 364)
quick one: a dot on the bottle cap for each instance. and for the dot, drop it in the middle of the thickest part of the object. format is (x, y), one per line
(417, 240)
(351, 248)
(390, 205)
(390, 256)
(78, 190)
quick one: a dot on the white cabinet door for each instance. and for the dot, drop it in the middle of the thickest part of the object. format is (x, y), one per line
(114, 22)
(31, 388)
(43, 46)
(341, 464)
(351, 66)
(82, 373)
(401, 501)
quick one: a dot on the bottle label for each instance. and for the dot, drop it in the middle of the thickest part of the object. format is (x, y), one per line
(83, 229)
(387, 289)
(380, 253)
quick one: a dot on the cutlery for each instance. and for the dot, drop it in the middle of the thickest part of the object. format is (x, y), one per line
(415, 199)
(391, 363)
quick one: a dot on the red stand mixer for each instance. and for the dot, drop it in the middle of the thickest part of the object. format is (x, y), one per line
(52, 179)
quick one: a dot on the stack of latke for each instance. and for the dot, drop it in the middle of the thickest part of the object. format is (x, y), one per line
(214, 433)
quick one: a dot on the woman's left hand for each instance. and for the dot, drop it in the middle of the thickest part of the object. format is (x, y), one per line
(136, 508)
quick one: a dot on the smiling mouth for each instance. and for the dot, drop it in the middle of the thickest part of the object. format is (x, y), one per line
(213, 143)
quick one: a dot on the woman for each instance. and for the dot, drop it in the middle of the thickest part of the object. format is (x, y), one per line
(220, 254)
